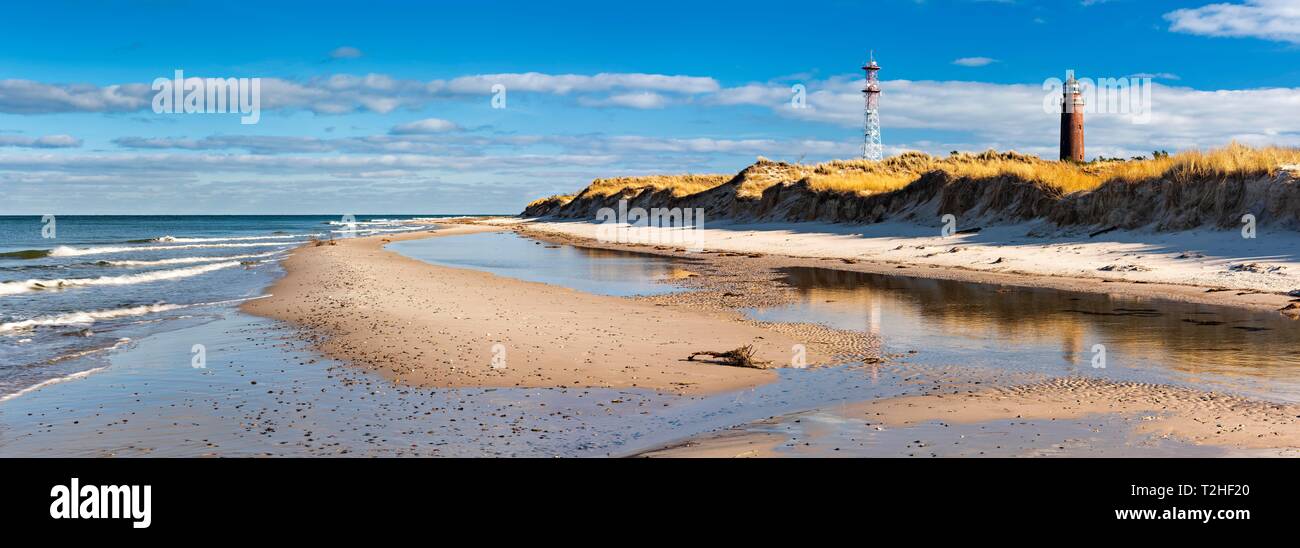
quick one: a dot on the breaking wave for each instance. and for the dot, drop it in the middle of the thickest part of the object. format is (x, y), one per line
(73, 376)
(365, 223)
(186, 260)
(17, 287)
(87, 317)
(64, 251)
(173, 239)
(369, 231)
(92, 316)
(26, 254)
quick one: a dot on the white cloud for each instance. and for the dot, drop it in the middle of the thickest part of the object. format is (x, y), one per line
(753, 94)
(561, 84)
(965, 116)
(640, 100)
(1012, 115)
(345, 93)
(1156, 75)
(704, 145)
(1267, 19)
(425, 126)
(467, 144)
(47, 141)
(209, 163)
(345, 52)
(974, 61)
(28, 97)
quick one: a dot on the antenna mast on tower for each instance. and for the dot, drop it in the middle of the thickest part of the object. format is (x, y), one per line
(871, 147)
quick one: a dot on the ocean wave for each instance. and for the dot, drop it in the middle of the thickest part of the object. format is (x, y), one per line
(87, 317)
(73, 376)
(26, 254)
(369, 231)
(83, 353)
(64, 251)
(186, 260)
(92, 316)
(173, 239)
(365, 223)
(17, 287)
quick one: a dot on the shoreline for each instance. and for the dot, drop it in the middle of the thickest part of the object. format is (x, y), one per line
(426, 325)
(834, 250)
(394, 404)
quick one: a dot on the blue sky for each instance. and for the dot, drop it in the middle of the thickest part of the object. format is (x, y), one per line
(384, 107)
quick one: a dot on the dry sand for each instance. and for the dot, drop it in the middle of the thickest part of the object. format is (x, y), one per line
(433, 326)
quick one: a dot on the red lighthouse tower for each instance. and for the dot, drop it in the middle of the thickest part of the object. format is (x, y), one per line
(1072, 121)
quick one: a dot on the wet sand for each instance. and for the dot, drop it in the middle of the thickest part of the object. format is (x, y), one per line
(431, 326)
(1153, 410)
(1062, 417)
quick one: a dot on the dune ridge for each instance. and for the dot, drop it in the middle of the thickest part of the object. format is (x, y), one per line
(1213, 189)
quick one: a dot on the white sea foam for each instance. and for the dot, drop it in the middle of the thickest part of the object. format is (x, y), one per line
(87, 317)
(366, 223)
(56, 380)
(64, 251)
(189, 260)
(17, 287)
(82, 353)
(173, 239)
(369, 231)
(73, 376)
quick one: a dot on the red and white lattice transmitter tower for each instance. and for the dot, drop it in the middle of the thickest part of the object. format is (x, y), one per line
(871, 147)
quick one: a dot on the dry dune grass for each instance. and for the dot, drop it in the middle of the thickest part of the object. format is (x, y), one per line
(1234, 161)
(866, 177)
(680, 185)
(558, 199)
(1231, 162)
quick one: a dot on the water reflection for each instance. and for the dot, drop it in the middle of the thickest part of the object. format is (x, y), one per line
(1053, 330)
(602, 271)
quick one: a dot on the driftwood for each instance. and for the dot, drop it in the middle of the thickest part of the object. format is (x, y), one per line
(1103, 231)
(740, 357)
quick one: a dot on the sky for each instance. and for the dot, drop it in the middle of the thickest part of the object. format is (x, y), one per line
(388, 107)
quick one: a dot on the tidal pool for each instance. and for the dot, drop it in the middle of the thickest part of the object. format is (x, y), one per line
(1055, 332)
(600, 271)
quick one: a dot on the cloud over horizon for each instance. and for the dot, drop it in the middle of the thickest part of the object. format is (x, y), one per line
(45, 141)
(1264, 19)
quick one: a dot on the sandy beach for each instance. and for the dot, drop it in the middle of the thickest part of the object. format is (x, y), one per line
(426, 325)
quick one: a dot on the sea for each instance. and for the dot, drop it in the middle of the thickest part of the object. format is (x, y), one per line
(76, 287)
